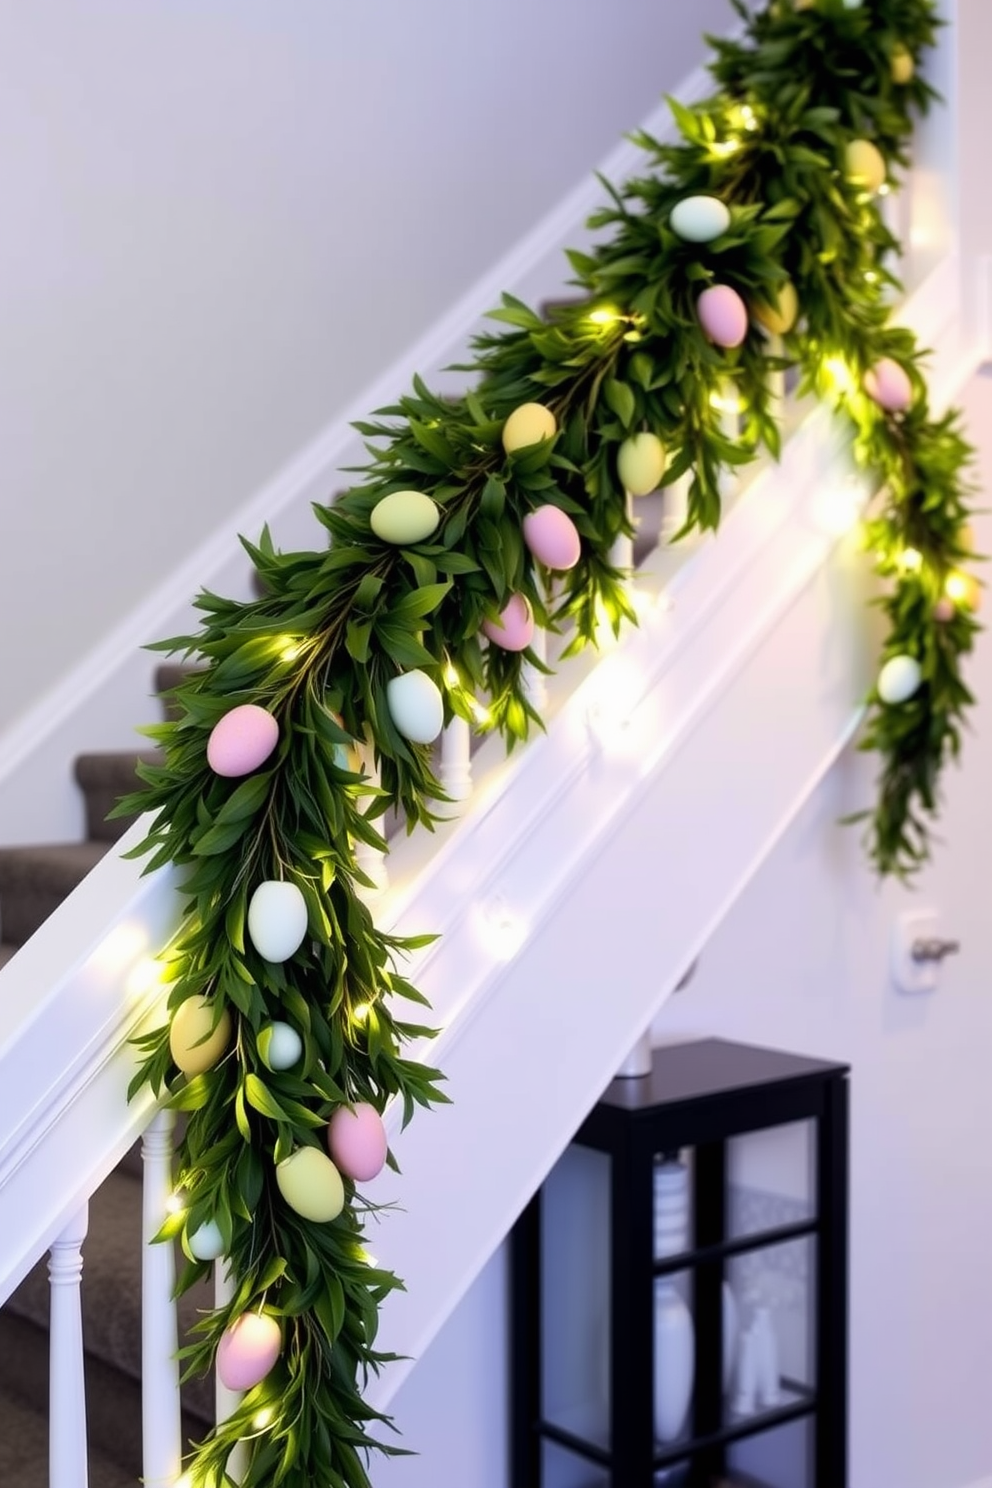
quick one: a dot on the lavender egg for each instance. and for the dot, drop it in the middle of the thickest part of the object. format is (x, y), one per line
(247, 1350)
(356, 1140)
(888, 385)
(722, 315)
(242, 740)
(514, 630)
(552, 537)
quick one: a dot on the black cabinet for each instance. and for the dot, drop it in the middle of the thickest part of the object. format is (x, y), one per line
(679, 1284)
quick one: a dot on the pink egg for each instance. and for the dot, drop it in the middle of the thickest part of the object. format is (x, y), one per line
(552, 537)
(515, 628)
(356, 1140)
(722, 315)
(247, 1350)
(944, 610)
(242, 740)
(888, 384)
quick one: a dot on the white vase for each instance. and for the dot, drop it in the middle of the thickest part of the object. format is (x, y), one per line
(674, 1361)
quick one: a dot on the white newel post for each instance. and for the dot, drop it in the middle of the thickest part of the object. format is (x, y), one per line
(455, 771)
(227, 1401)
(675, 506)
(161, 1425)
(66, 1391)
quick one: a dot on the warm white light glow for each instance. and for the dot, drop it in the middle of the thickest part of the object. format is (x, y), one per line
(604, 316)
(174, 1204)
(837, 508)
(146, 976)
(360, 1013)
(451, 677)
(871, 277)
(501, 930)
(480, 713)
(289, 650)
(263, 1418)
(722, 148)
(838, 374)
(748, 117)
(910, 560)
(956, 587)
(727, 402)
(884, 189)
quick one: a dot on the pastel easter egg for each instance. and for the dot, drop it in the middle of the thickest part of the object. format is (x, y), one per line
(515, 628)
(552, 537)
(206, 1242)
(699, 219)
(888, 384)
(415, 706)
(641, 463)
(528, 424)
(356, 1140)
(195, 1042)
(277, 919)
(779, 315)
(864, 165)
(722, 315)
(311, 1184)
(405, 517)
(248, 1349)
(901, 64)
(944, 610)
(280, 1046)
(899, 678)
(242, 740)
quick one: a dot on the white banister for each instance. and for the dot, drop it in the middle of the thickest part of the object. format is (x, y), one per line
(161, 1423)
(67, 1391)
(227, 1401)
(622, 551)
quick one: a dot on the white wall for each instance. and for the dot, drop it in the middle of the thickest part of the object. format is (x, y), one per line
(801, 963)
(221, 218)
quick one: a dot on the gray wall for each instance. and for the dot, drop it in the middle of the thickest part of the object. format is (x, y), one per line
(222, 218)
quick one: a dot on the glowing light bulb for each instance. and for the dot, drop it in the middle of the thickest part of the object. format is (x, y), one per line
(606, 315)
(289, 649)
(727, 402)
(263, 1418)
(838, 374)
(748, 117)
(480, 713)
(360, 1012)
(175, 1204)
(722, 148)
(956, 587)
(910, 560)
(451, 677)
(871, 277)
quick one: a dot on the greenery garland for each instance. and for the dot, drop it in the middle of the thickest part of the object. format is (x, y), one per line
(288, 1015)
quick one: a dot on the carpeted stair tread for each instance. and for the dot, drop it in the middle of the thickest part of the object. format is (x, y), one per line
(113, 1413)
(34, 881)
(111, 1290)
(103, 779)
(6, 951)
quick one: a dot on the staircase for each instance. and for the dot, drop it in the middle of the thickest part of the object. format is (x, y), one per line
(34, 881)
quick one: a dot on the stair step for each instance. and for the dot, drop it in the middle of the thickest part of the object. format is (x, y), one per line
(111, 1292)
(34, 881)
(168, 676)
(103, 779)
(6, 951)
(113, 1413)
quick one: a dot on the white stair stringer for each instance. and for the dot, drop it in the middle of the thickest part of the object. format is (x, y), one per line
(588, 874)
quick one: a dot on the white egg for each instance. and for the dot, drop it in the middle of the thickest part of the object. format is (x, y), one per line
(899, 679)
(206, 1243)
(415, 706)
(277, 919)
(280, 1046)
(699, 219)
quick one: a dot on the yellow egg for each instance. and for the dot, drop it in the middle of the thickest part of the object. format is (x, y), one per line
(194, 1043)
(780, 316)
(641, 463)
(903, 66)
(311, 1184)
(528, 424)
(864, 165)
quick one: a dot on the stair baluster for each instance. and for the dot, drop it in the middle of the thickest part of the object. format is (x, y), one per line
(67, 1461)
(160, 1405)
(455, 772)
(227, 1401)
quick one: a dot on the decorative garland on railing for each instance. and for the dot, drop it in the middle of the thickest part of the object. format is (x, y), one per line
(755, 243)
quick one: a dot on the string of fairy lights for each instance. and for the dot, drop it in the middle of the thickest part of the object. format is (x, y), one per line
(752, 245)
